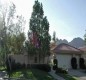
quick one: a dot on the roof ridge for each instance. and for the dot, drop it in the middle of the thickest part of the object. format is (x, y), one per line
(67, 45)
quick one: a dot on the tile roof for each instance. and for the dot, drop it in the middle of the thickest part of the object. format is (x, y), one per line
(65, 47)
(83, 48)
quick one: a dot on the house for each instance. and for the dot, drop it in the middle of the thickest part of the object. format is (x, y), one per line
(84, 54)
(25, 58)
(64, 53)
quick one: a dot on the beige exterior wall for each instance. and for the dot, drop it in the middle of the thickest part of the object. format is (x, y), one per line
(25, 59)
(84, 56)
(64, 59)
(51, 57)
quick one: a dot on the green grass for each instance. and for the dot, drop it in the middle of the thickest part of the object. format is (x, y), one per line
(24, 73)
(67, 77)
(2, 68)
(33, 74)
(41, 75)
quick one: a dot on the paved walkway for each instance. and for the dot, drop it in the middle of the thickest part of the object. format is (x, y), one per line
(78, 73)
(52, 73)
(3, 75)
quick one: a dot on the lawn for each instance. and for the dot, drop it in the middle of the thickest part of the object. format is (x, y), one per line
(33, 74)
(2, 68)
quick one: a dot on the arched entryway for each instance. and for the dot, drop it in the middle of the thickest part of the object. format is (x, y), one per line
(82, 63)
(55, 64)
(74, 62)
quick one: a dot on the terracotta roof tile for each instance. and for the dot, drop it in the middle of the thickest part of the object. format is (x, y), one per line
(83, 48)
(65, 47)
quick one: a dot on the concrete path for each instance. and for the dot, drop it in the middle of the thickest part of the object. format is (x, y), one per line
(52, 73)
(3, 75)
(77, 73)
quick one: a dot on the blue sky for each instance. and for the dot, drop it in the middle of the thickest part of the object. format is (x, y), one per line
(66, 17)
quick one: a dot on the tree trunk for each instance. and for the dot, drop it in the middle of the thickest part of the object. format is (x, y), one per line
(48, 60)
(39, 58)
(43, 58)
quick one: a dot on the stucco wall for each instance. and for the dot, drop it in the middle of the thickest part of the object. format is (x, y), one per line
(25, 59)
(84, 56)
(64, 59)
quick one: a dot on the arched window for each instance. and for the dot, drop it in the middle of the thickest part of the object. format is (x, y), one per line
(82, 63)
(74, 63)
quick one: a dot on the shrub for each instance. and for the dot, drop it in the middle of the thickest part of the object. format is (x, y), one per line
(74, 63)
(55, 62)
(13, 65)
(44, 67)
(60, 70)
(18, 66)
(7, 65)
(54, 67)
(81, 63)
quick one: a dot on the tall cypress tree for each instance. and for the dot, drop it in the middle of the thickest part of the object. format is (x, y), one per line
(85, 37)
(36, 17)
(40, 25)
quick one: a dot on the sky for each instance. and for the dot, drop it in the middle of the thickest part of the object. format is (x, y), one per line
(66, 17)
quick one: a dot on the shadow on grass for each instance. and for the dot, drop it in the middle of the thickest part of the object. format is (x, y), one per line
(33, 74)
(41, 75)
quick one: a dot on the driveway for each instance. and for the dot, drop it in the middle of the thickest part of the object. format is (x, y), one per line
(78, 73)
(56, 77)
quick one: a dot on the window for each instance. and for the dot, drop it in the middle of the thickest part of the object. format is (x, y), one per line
(35, 60)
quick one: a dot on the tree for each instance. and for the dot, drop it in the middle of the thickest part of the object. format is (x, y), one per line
(39, 27)
(45, 38)
(54, 36)
(14, 31)
(16, 37)
(12, 34)
(3, 33)
(15, 43)
(29, 46)
(85, 37)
